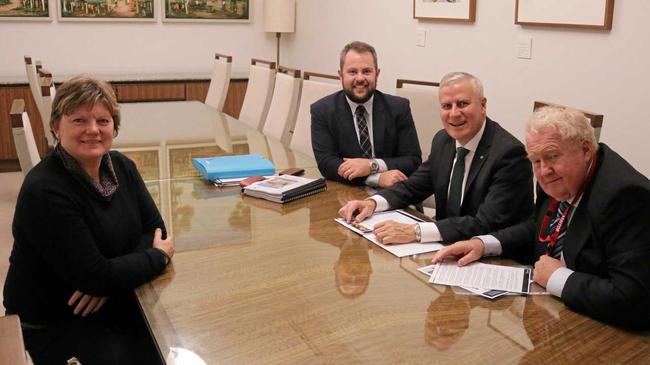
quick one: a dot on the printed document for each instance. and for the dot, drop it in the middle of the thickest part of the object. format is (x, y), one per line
(400, 250)
(483, 276)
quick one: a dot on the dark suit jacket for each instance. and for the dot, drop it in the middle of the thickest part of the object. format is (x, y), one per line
(333, 136)
(607, 244)
(498, 192)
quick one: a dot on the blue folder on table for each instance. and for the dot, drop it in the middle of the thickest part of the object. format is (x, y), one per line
(228, 167)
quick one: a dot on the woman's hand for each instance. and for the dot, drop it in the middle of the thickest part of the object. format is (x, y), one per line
(166, 245)
(86, 304)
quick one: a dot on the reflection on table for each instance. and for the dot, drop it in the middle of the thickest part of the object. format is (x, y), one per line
(258, 282)
(163, 137)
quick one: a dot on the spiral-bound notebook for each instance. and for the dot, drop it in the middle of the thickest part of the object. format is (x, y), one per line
(285, 188)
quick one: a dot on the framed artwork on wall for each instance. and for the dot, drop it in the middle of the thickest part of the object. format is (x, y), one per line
(446, 10)
(25, 10)
(107, 10)
(588, 14)
(206, 10)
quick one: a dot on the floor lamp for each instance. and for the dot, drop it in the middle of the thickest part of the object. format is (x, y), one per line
(279, 17)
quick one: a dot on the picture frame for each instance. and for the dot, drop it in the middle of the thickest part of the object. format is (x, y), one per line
(107, 10)
(585, 14)
(202, 11)
(26, 10)
(445, 10)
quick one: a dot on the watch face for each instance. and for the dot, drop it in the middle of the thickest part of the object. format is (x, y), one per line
(374, 166)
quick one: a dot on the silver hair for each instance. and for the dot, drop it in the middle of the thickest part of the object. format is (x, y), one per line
(570, 123)
(454, 77)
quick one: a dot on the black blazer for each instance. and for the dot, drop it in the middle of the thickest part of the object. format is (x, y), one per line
(498, 192)
(607, 244)
(333, 136)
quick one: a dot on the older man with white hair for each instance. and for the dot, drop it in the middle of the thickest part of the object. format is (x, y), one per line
(590, 234)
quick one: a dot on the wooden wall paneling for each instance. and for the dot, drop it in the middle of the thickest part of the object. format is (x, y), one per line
(196, 90)
(158, 91)
(7, 146)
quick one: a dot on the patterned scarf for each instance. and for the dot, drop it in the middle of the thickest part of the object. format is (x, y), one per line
(107, 184)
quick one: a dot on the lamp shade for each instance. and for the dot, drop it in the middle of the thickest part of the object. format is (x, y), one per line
(279, 16)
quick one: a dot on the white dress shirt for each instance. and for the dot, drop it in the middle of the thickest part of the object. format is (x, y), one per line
(429, 230)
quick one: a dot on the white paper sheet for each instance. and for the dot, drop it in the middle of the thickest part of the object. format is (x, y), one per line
(482, 276)
(399, 216)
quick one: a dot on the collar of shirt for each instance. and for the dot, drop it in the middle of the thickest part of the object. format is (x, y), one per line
(367, 105)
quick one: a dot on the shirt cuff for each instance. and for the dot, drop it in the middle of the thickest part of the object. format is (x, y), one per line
(373, 180)
(382, 203)
(430, 232)
(491, 245)
(382, 165)
(558, 279)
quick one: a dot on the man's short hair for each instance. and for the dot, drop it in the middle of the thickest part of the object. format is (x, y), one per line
(454, 77)
(84, 91)
(359, 47)
(570, 123)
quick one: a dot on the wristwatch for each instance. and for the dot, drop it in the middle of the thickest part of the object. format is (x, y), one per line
(418, 233)
(374, 166)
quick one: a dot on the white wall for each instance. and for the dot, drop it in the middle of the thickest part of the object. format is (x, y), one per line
(599, 71)
(68, 48)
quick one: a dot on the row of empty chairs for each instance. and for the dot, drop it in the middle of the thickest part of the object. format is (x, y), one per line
(277, 101)
(43, 91)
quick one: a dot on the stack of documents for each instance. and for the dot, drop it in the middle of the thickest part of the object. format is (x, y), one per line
(228, 167)
(285, 188)
(366, 227)
(487, 280)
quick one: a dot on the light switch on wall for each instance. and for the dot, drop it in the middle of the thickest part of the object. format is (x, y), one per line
(524, 47)
(421, 37)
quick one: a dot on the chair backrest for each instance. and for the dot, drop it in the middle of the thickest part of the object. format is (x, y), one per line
(312, 91)
(219, 82)
(425, 108)
(32, 78)
(21, 129)
(595, 119)
(258, 93)
(48, 91)
(282, 113)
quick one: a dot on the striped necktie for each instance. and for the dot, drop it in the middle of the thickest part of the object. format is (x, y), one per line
(364, 135)
(557, 250)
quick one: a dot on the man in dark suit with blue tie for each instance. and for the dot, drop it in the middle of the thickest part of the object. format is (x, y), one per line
(477, 171)
(362, 136)
(590, 234)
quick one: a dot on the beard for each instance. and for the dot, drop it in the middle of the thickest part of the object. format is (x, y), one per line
(359, 100)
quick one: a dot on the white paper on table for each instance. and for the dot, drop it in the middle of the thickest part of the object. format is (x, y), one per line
(483, 276)
(399, 216)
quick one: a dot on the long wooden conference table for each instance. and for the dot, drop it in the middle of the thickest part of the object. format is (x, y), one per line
(254, 282)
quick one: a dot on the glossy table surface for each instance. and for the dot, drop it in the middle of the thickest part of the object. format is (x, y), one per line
(254, 282)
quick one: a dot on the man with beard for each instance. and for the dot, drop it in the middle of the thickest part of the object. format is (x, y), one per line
(477, 171)
(362, 136)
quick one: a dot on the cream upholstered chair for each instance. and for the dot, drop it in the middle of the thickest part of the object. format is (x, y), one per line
(595, 119)
(425, 107)
(219, 82)
(32, 78)
(312, 91)
(284, 105)
(21, 129)
(48, 92)
(258, 93)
